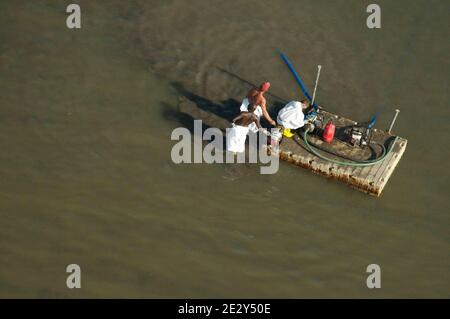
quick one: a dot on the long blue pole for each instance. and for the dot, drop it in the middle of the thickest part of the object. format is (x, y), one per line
(296, 76)
(305, 91)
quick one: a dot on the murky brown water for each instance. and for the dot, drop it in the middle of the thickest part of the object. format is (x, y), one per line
(86, 175)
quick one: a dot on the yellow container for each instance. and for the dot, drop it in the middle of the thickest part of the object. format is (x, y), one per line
(287, 132)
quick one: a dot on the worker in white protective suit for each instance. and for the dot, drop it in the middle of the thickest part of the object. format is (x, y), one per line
(257, 111)
(237, 135)
(291, 116)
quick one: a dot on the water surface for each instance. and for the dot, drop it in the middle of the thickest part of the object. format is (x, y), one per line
(86, 175)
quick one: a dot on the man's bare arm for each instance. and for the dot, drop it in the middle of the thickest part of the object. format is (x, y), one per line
(266, 114)
(237, 118)
(258, 124)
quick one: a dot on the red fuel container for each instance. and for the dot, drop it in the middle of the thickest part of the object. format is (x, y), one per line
(328, 132)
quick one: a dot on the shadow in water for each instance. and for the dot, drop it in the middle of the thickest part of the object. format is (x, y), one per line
(176, 116)
(234, 75)
(226, 109)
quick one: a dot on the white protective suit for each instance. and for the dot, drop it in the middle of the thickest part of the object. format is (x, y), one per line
(291, 116)
(258, 112)
(236, 138)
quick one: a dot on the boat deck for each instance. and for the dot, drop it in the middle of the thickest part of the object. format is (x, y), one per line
(369, 179)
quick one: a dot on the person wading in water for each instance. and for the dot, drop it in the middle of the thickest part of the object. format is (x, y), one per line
(238, 133)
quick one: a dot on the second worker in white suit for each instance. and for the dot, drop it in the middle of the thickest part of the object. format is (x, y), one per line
(291, 116)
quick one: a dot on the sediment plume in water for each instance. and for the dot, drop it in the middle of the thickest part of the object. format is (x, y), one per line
(219, 52)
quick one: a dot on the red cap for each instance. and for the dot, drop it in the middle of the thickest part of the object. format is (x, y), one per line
(264, 87)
